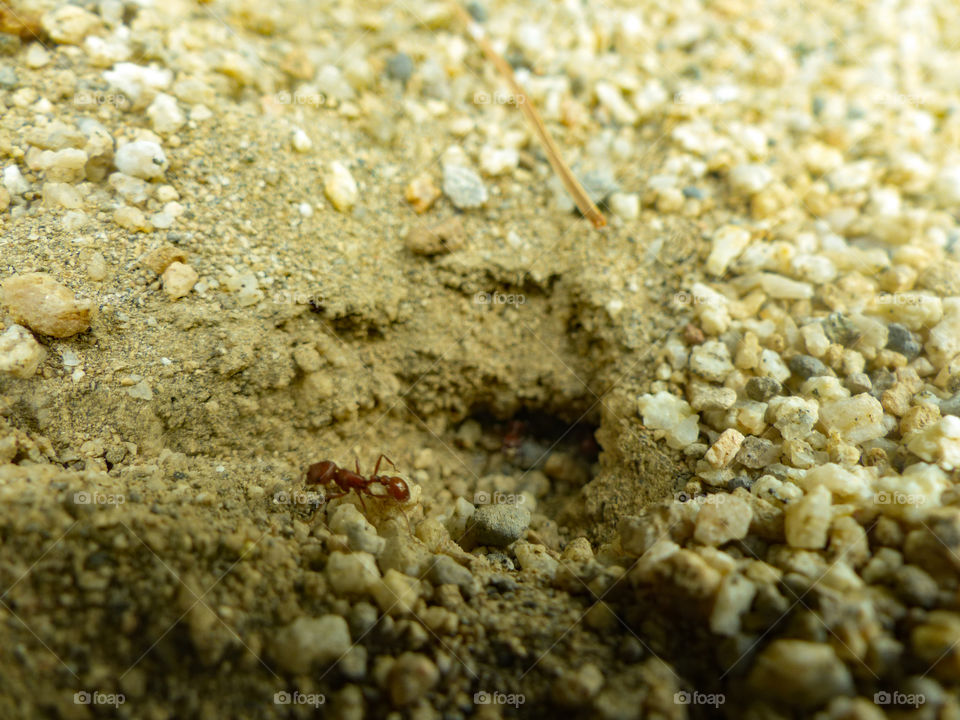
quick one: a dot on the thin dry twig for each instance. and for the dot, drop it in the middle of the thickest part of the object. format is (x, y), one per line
(573, 186)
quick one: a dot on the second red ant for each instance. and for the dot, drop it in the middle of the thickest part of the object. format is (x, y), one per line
(327, 472)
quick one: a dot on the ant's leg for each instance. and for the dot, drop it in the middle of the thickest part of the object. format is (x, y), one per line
(383, 457)
(362, 503)
(328, 498)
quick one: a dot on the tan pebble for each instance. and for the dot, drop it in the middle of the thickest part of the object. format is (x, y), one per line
(721, 519)
(725, 448)
(444, 237)
(421, 193)
(748, 351)
(807, 520)
(4, 199)
(179, 279)
(45, 306)
(97, 267)
(896, 400)
(159, 259)
(411, 677)
(340, 187)
(20, 353)
(131, 218)
(918, 417)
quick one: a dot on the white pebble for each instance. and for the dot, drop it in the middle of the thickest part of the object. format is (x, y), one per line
(340, 187)
(142, 159)
(727, 244)
(750, 179)
(165, 114)
(301, 141)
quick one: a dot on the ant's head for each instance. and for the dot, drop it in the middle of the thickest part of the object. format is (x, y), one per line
(321, 473)
(397, 488)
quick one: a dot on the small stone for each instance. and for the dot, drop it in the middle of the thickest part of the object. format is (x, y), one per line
(626, 206)
(36, 57)
(799, 672)
(721, 519)
(711, 360)
(704, 396)
(132, 219)
(725, 448)
(671, 415)
(140, 391)
(576, 689)
(396, 593)
(762, 389)
(45, 306)
(734, 598)
(179, 279)
(915, 586)
(301, 141)
(749, 179)
(535, 559)
(951, 406)
(498, 525)
(856, 420)
(160, 258)
(165, 114)
(858, 383)
(444, 237)
(56, 194)
(340, 187)
(727, 244)
(69, 24)
(444, 570)
(421, 193)
(497, 161)
(20, 353)
(901, 340)
(354, 573)
(756, 452)
(400, 67)
(807, 521)
(347, 520)
(805, 367)
(463, 186)
(839, 329)
(411, 677)
(142, 158)
(306, 641)
(794, 416)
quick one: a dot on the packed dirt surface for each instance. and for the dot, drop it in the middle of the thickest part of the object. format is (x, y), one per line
(700, 463)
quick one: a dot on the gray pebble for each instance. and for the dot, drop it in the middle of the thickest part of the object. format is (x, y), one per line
(839, 329)
(915, 586)
(8, 78)
(762, 389)
(447, 571)
(807, 366)
(400, 67)
(951, 406)
(901, 340)
(502, 583)
(858, 383)
(693, 192)
(599, 184)
(477, 11)
(363, 616)
(755, 453)
(464, 187)
(499, 525)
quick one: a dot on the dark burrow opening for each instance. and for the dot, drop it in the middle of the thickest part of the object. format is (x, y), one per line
(551, 456)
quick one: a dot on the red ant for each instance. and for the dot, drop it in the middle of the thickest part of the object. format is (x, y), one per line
(327, 472)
